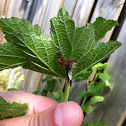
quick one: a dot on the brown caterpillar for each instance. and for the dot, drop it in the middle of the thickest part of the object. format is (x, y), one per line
(69, 65)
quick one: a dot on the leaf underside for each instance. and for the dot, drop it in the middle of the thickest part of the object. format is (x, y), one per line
(27, 47)
(8, 110)
(95, 124)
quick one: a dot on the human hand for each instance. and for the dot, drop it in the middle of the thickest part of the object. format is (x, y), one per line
(43, 111)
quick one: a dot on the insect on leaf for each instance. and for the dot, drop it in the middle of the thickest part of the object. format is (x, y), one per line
(39, 51)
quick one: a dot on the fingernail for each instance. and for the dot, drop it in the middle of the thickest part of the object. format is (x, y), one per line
(67, 114)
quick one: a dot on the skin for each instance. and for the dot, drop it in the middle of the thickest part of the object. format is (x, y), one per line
(43, 111)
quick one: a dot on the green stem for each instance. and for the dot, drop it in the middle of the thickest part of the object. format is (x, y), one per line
(66, 93)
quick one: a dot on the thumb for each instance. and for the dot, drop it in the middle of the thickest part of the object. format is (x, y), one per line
(64, 114)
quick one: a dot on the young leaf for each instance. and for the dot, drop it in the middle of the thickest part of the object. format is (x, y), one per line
(105, 77)
(87, 108)
(8, 110)
(95, 99)
(100, 66)
(84, 94)
(95, 89)
(57, 96)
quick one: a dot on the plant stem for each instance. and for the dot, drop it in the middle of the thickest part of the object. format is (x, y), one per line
(66, 93)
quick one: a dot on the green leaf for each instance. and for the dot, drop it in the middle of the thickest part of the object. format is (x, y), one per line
(101, 26)
(12, 89)
(10, 56)
(51, 85)
(8, 110)
(57, 96)
(37, 67)
(84, 40)
(43, 47)
(96, 88)
(95, 124)
(14, 26)
(84, 94)
(37, 92)
(94, 55)
(62, 32)
(105, 77)
(78, 44)
(87, 108)
(100, 66)
(95, 99)
(83, 76)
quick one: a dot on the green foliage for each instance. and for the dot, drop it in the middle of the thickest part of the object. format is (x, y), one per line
(37, 52)
(87, 108)
(8, 110)
(95, 124)
(10, 56)
(102, 26)
(50, 86)
(94, 89)
(99, 66)
(105, 77)
(12, 89)
(57, 96)
(27, 47)
(83, 76)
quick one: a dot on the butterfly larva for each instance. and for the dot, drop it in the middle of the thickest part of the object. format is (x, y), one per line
(69, 65)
